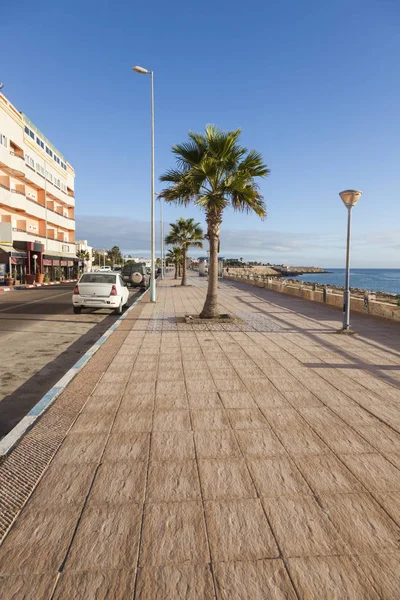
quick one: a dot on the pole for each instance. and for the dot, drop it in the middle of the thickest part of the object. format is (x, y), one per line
(153, 248)
(162, 238)
(346, 305)
(45, 198)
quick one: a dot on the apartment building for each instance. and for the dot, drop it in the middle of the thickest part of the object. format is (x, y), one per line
(37, 201)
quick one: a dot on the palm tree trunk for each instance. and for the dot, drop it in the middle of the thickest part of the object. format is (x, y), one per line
(184, 270)
(210, 308)
(176, 270)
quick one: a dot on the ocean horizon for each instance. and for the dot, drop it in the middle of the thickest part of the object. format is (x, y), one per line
(373, 280)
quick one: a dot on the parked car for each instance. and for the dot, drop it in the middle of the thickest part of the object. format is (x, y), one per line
(135, 274)
(105, 269)
(100, 290)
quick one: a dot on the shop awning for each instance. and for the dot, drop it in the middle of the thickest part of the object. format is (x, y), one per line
(11, 249)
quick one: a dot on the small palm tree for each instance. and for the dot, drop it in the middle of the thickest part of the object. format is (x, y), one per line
(213, 171)
(83, 255)
(185, 233)
(175, 256)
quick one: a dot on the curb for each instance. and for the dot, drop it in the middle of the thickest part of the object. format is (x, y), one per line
(30, 286)
(14, 436)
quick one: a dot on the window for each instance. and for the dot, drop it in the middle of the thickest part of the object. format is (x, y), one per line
(32, 163)
(3, 140)
(31, 134)
(38, 167)
(27, 159)
(26, 129)
(37, 141)
(49, 152)
(42, 144)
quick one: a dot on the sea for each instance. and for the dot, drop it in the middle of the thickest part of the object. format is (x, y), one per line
(373, 280)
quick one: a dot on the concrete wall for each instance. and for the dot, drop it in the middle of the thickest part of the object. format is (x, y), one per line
(333, 298)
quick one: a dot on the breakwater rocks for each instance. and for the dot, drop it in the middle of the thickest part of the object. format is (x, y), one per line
(275, 270)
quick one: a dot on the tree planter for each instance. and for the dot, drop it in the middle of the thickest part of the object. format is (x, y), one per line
(30, 279)
(39, 277)
(9, 281)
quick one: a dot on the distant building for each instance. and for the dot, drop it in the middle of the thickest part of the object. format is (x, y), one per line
(82, 246)
(37, 201)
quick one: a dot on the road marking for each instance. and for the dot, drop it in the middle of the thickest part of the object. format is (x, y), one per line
(36, 301)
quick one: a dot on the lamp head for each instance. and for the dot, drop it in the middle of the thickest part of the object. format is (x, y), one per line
(34, 256)
(350, 197)
(141, 70)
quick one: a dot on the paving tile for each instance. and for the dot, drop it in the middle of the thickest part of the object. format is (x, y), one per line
(200, 387)
(301, 441)
(98, 422)
(170, 481)
(329, 578)
(246, 418)
(136, 421)
(220, 443)
(208, 400)
(302, 399)
(172, 445)
(327, 475)
(107, 538)
(27, 586)
(375, 472)
(80, 449)
(383, 438)
(277, 477)
(132, 402)
(237, 399)
(174, 533)
(353, 414)
(343, 440)
(207, 420)
(171, 388)
(69, 487)
(180, 582)
(96, 585)
(119, 482)
(391, 503)
(138, 388)
(257, 580)
(266, 400)
(171, 402)
(301, 527)
(127, 447)
(284, 418)
(383, 571)
(259, 442)
(172, 420)
(227, 385)
(225, 479)
(238, 530)
(106, 403)
(38, 541)
(362, 523)
(109, 389)
(321, 418)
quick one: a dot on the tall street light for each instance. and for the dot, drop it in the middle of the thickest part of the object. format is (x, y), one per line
(153, 228)
(350, 199)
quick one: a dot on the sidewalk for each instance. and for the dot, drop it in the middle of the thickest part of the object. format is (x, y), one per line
(253, 460)
(26, 286)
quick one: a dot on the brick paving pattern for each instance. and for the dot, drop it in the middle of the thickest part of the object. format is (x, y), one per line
(248, 460)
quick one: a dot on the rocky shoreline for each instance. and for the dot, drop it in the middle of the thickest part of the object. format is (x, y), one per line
(381, 296)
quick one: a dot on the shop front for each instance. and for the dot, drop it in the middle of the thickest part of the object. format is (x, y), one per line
(60, 268)
(12, 265)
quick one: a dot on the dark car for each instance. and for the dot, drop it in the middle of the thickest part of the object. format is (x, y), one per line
(135, 275)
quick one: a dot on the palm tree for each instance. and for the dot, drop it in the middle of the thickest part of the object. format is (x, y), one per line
(175, 256)
(185, 233)
(213, 171)
(83, 255)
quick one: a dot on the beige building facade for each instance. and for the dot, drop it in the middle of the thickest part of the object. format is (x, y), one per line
(37, 202)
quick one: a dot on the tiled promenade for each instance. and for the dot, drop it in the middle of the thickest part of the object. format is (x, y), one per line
(253, 460)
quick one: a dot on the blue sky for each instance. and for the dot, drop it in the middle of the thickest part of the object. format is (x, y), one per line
(313, 85)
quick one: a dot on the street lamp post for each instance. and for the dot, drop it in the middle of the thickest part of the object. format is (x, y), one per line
(350, 199)
(35, 257)
(153, 228)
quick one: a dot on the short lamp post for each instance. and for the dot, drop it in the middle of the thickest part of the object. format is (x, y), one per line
(350, 199)
(35, 257)
(153, 248)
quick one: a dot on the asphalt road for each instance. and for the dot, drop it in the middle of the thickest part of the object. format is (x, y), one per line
(40, 339)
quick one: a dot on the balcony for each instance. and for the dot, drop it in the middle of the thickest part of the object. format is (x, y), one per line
(11, 162)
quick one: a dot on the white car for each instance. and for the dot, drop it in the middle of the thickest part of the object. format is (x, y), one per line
(100, 290)
(105, 269)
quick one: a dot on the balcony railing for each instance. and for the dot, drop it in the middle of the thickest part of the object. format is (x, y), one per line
(17, 192)
(4, 187)
(17, 155)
